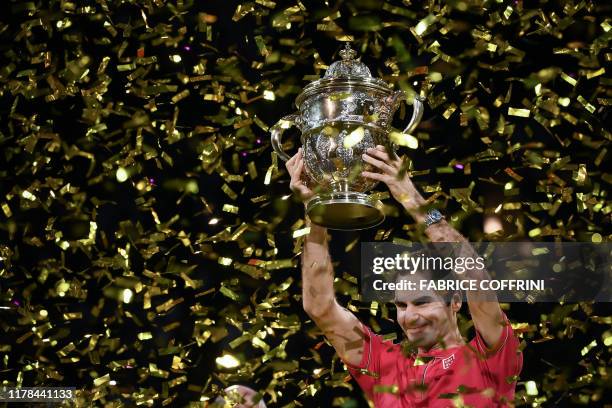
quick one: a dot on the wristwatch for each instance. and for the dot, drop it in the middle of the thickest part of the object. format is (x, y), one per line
(433, 217)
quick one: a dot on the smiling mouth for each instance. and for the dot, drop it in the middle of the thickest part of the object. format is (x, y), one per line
(416, 328)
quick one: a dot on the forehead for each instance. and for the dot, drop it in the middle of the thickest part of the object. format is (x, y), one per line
(407, 296)
(414, 279)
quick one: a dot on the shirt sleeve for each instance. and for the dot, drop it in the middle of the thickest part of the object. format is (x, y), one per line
(367, 372)
(503, 361)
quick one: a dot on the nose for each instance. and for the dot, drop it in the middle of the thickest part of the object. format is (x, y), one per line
(409, 316)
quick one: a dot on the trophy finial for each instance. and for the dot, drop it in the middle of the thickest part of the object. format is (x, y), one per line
(348, 53)
(348, 66)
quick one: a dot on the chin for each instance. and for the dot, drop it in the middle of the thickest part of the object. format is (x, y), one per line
(419, 341)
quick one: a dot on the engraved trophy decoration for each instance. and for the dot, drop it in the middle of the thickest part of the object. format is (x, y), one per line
(340, 116)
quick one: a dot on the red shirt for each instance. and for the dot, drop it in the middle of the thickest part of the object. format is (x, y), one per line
(468, 375)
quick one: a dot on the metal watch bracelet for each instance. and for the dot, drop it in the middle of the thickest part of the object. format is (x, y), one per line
(433, 217)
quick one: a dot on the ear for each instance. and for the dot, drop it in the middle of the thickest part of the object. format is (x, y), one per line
(456, 302)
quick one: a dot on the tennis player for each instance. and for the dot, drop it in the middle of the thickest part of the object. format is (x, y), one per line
(438, 368)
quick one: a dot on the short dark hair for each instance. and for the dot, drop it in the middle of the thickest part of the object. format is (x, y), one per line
(445, 295)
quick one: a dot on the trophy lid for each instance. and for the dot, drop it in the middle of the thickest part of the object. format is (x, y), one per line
(347, 72)
(348, 66)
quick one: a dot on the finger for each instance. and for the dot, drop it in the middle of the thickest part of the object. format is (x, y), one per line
(289, 163)
(389, 152)
(388, 156)
(379, 152)
(299, 168)
(379, 164)
(383, 148)
(375, 176)
(297, 175)
(294, 158)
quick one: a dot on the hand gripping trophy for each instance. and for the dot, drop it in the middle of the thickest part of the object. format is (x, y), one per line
(340, 116)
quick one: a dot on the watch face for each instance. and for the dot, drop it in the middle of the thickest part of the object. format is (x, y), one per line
(433, 216)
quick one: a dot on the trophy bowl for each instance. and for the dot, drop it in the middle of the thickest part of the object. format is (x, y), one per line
(340, 116)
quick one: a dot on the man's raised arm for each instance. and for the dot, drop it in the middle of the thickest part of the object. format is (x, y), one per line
(486, 313)
(484, 307)
(340, 326)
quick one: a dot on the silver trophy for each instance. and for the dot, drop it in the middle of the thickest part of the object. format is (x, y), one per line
(340, 116)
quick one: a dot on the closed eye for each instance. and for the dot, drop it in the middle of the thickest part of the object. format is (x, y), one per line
(400, 305)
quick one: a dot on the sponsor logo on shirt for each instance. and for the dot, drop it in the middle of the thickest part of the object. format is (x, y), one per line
(446, 363)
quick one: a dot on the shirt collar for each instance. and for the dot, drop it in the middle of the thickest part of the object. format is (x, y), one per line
(437, 352)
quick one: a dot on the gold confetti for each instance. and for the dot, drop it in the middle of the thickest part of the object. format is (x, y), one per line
(7, 210)
(101, 380)
(261, 45)
(354, 137)
(279, 264)
(230, 193)
(301, 232)
(524, 113)
(531, 388)
(180, 96)
(568, 79)
(145, 336)
(225, 261)
(423, 25)
(404, 139)
(593, 74)
(269, 95)
(230, 208)
(449, 111)
(586, 104)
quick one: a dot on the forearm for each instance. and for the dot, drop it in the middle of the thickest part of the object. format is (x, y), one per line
(341, 327)
(317, 273)
(444, 232)
(484, 306)
(439, 232)
(460, 247)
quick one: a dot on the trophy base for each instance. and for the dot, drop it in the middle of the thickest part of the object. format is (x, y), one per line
(345, 210)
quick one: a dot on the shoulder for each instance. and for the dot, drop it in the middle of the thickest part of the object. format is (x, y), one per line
(380, 356)
(504, 357)
(507, 339)
(384, 347)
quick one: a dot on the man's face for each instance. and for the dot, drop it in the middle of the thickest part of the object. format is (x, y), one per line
(425, 317)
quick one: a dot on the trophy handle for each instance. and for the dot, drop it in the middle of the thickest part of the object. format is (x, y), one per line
(277, 132)
(417, 113)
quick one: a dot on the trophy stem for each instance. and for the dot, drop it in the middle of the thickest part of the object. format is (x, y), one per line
(345, 210)
(340, 186)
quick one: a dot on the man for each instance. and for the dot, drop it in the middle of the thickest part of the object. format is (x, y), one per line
(444, 371)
